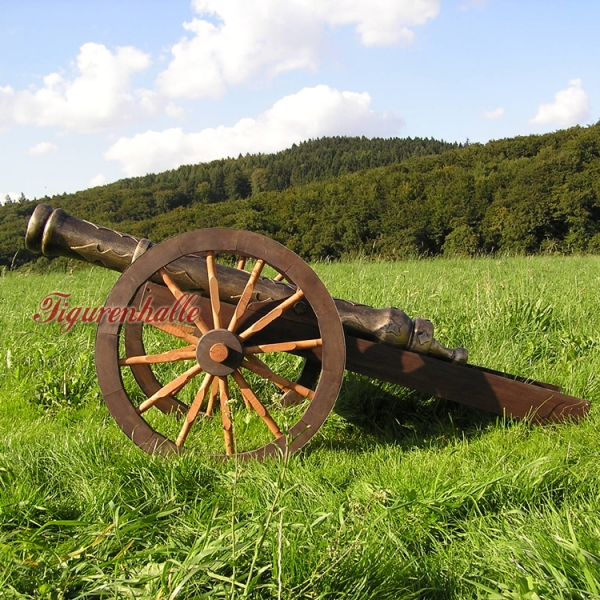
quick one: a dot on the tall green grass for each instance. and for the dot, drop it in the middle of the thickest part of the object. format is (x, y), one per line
(397, 496)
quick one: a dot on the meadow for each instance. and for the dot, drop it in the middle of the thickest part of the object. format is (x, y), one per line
(397, 496)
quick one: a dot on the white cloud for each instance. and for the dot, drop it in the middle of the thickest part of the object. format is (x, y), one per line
(174, 111)
(255, 38)
(13, 196)
(570, 106)
(492, 115)
(379, 22)
(43, 148)
(311, 113)
(97, 180)
(99, 97)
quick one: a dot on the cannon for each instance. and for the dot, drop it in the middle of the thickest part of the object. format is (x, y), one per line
(231, 323)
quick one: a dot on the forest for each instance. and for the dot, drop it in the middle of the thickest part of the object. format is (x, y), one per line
(341, 197)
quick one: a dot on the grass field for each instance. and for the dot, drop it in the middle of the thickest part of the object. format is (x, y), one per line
(397, 496)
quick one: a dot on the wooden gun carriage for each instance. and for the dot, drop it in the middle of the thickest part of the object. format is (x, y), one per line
(231, 322)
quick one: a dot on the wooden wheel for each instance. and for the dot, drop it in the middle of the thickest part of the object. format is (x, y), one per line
(149, 384)
(214, 377)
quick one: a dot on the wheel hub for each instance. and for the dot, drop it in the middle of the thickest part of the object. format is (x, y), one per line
(219, 352)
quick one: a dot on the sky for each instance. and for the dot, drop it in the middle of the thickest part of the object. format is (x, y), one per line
(92, 91)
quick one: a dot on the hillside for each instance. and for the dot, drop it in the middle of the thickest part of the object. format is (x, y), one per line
(134, 201)
(388, 198)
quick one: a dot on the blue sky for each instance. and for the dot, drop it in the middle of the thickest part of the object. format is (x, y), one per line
(93, 91)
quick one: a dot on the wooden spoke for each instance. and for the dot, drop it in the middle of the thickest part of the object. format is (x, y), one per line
(241, 263)
(171, 388)
(214, 390)
(176, 291)
(187, 353)
(284, 346)
(272, 315)
(257, 405)
(260, 368)
(194, 409)
(226, 417)
(213, 288)
(279, 277)
(240, 309)
(177, 331)
(183, 332)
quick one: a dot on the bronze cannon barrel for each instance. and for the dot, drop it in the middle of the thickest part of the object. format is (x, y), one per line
(54, 232)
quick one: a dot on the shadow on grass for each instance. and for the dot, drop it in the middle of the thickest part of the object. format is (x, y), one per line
(382, 413)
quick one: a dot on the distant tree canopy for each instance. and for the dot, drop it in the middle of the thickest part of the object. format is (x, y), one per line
(389, 198)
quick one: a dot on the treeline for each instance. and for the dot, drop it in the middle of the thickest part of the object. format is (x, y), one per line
(522, 195)
(525, 195)
(138, 199)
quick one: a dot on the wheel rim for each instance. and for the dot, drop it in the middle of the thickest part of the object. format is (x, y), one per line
(214, 385)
